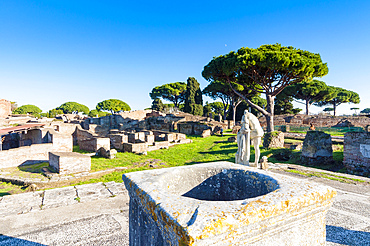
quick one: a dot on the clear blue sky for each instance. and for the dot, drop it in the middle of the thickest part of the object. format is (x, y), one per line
(52, 52)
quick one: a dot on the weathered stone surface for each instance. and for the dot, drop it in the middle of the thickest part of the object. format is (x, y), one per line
(59, 197)
(94, 143)
(5, 108)
(69, 162)
(317, 148)
(117, 140)
(110, 154)
(356, 152)
(116, 188)
(135, 148)
(90, 192)
(22, 203)
(225, 204)
(206, 133)
(273, 140)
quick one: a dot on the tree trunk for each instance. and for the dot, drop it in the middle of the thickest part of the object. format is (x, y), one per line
(270, 110)
(234, 104)
(307, 105)
(334, 107)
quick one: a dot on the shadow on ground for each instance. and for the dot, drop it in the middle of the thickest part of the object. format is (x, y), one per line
(6, 240)
(344, 236)
(4, 194)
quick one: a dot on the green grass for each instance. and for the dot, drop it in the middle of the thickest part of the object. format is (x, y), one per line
(213, 148)
(325, 175)
(292, 141)
(8, 189)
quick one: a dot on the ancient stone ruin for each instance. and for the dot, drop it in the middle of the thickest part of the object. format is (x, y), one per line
(317, 148)
(356, 153)
(5, 108)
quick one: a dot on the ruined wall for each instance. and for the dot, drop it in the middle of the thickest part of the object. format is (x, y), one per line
(318, 120)
(31, 137)
(5, 108)
(70, 162)
(93, 144)
(36, 152)
(136, 115)
(25, 155)
(356, 153)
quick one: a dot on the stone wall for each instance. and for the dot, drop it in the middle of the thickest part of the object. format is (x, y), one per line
(93, 144)
(25, 155)
(36, 152)
(318, 120)
(5, 108)
(356, 153)
(136, 115)
(69, 162)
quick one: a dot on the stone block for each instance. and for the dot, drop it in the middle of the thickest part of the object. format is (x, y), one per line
(161, 145)
(69, 162)
(116, 188)
(185, 128)
(59, 197)
(222, 203)
(356, 152)
(135, 147)
(273, 140)
(117, 140)
(317, 148)
(90, 192)
(20, 203)
(149, 139)
(169, 137)
(206, 133)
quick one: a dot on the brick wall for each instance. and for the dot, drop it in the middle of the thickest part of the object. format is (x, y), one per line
(317, 120)
(5, 108)
(356, 154)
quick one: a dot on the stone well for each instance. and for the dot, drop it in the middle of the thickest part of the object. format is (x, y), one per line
(221, 203)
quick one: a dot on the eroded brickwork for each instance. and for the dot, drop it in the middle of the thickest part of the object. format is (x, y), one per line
(5, 108)
(356, 154)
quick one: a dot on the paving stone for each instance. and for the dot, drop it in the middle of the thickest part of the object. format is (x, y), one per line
(59, 197)
(344, 221)
(90, 192)
(21, 203)
(77, 233)
(353, 207)
(116, 188)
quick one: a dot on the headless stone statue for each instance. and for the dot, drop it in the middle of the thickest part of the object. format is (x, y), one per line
(243, 140)
(253, 133)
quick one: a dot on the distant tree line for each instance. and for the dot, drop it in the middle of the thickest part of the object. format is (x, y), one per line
(103, 108)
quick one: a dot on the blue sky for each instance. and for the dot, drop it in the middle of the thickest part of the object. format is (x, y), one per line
(52, 52)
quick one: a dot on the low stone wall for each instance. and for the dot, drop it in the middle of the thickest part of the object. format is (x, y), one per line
(25, 155)
(36, 152)
(318, 120)
(93, 144)
(69, 162)
(356, 152)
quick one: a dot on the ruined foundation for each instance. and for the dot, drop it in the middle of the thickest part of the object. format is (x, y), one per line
(222, 203)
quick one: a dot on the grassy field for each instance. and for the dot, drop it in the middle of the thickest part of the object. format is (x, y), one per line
(214, 148)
